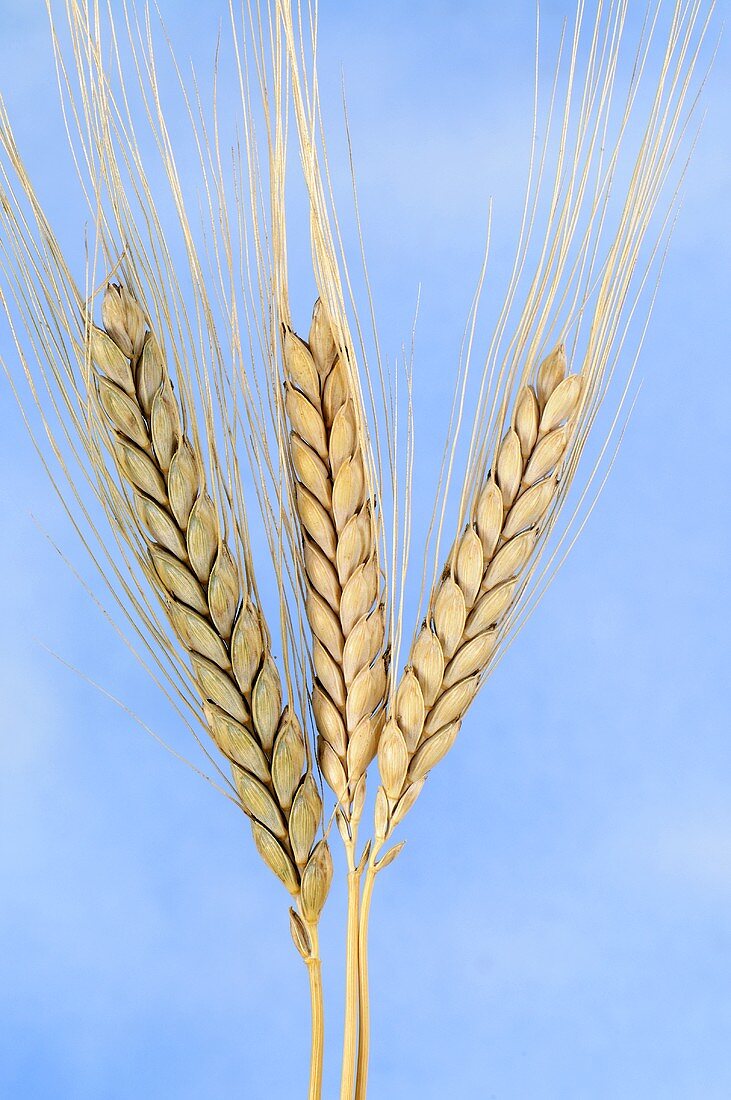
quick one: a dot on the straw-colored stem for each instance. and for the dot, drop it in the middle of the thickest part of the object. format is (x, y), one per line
(314, 970)
(364, 1003)
(350, 1032)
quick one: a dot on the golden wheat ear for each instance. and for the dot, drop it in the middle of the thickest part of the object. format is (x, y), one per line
(471, 603)
(208, 598)
(345, 595)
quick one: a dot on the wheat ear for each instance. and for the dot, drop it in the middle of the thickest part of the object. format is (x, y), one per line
(212, 613)
(471, 604)
(344, 602)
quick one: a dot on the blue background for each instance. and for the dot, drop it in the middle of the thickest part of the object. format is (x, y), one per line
(560, 923)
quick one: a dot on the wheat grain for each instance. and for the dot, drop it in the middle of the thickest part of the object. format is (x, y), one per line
(345, 597)
(208, 601)
(469, 606)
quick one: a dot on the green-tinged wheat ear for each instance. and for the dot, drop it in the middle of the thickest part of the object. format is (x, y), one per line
(477, 590)
(207, 597)
(345, 593)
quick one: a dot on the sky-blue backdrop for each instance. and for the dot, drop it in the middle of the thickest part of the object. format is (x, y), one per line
(560, 925)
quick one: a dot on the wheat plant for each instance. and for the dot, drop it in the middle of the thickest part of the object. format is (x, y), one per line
(182, 405)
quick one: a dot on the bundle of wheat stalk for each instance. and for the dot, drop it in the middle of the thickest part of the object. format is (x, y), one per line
(197, 396)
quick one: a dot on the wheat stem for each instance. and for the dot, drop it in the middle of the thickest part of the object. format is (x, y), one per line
(364, 999)
(350, 1030)
(314, 971)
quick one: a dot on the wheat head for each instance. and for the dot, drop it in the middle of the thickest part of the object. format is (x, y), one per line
(208, 602)
(344, 589)
(469, 606)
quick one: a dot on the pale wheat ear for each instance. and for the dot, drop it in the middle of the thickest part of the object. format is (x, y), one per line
(208, 601)
(344, 605)
(458, 639)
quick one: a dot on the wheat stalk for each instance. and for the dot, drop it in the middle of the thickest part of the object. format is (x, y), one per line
(214, 614)
(344, 596)
(468, 613)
